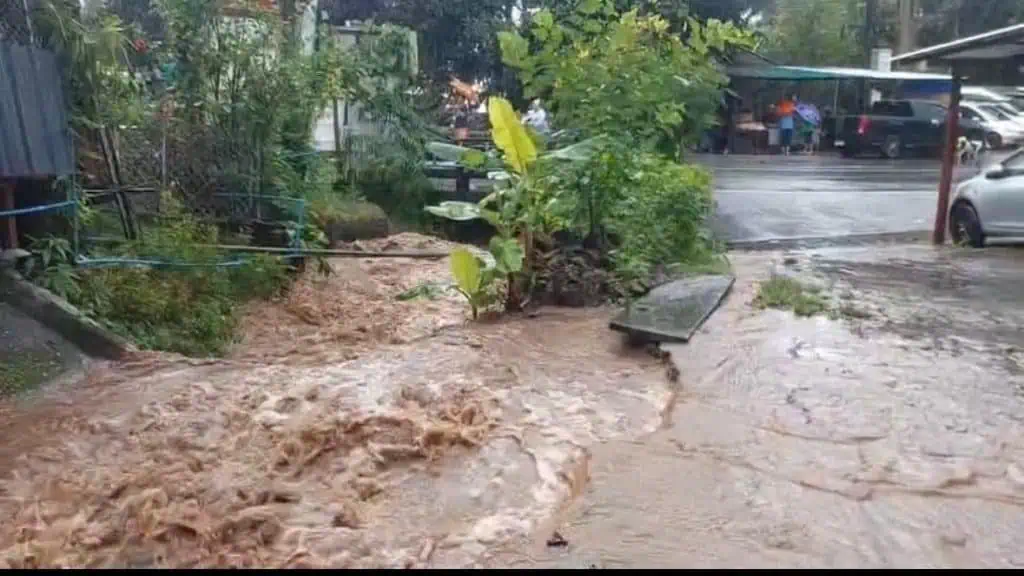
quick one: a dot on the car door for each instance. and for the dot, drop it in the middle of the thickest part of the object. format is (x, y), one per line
(1001, 203)
(931, 125)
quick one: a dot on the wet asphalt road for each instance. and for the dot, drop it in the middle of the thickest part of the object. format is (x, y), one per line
(775, 197)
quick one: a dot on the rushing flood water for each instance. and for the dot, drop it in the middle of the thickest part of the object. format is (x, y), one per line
(382, 441)
(890, 438)
(816, 443)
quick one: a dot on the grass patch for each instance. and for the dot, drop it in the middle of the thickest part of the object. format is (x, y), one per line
(25, 371)
(715, 265)
(783, 293)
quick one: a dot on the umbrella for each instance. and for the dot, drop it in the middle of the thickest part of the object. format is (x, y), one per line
(809, 112)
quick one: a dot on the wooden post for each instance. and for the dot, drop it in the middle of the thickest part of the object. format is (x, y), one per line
(11, 225)
(948, 154)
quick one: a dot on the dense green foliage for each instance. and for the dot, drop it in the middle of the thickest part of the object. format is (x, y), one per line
(234, 98)
(831, 32)
(815, 33)
(192, 310)
(624, 75)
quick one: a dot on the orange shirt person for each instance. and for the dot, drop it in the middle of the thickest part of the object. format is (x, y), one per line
(786, 110)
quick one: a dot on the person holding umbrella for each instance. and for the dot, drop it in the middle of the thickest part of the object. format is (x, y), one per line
(811, 118)
(786, 110)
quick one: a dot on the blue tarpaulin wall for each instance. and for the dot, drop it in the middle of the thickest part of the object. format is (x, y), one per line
(35, 139)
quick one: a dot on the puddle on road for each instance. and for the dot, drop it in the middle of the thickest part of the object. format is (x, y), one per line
(799, 443)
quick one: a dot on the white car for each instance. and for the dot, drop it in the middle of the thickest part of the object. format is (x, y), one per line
(990, 205)
(1002, 128)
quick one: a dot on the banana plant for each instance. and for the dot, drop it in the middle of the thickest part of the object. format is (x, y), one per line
(517, 207)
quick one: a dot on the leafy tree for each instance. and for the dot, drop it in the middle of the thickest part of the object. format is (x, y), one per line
(945, 20)
(625, 75)
(815, 32)
(456, 36)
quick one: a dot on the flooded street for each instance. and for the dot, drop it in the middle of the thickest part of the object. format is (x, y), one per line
(890, 438)
(348, 430)
(355, 429)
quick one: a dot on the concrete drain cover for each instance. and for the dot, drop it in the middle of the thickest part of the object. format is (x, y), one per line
(672, 312)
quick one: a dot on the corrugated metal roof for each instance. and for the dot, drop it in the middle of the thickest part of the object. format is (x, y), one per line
(35, 139)
(806, 73)
(992, 45)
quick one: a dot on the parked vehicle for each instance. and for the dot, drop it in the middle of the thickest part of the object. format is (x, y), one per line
(1001, 128)
(1016, 97)
(893, 127)
(990, 205)
(1013, 110)
(983, 94)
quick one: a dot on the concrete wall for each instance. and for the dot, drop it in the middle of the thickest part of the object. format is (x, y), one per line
(351, 119)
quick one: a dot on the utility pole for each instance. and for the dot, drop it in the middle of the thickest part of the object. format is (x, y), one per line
(870, 9)
(908, 33)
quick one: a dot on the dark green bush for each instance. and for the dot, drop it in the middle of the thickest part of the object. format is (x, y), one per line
(660, 217)
(191, 310)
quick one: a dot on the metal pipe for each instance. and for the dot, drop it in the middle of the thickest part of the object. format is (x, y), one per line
(297, 251)
(325, 252)
(948, 154)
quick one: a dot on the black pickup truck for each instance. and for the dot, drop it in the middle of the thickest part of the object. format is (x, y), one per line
(894, 127)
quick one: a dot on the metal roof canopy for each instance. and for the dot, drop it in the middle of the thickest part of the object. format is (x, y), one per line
(35, 139)
(809, 74)
(1001, 44)
(1006, 44)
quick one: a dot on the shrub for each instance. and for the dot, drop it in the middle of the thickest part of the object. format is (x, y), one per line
(660, 217)
(624, 74)
(191, 310)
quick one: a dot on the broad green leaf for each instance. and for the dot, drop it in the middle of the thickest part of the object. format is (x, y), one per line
(509, 135)
(515, 50)
(466, 271)
(581, 151)
(468, 157)
(588, 7)
(448, 152)
(508, 254)
(474, 159)
(455, 210)
(492, 217)
(543, 19)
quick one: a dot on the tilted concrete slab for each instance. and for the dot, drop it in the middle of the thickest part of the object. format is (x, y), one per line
(672, 312)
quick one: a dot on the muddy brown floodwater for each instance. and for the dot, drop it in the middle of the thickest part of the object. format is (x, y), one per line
(348, 429)
(890, 438)
(351, 429)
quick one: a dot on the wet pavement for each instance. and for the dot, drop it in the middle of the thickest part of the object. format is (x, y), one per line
(775, 197)
(888, 437)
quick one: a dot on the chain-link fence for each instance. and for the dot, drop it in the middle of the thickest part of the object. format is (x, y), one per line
(16, 21)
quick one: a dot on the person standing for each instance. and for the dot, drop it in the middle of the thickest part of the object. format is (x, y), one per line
(786, 111)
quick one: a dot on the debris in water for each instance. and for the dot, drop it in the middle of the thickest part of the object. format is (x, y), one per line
(557, 540)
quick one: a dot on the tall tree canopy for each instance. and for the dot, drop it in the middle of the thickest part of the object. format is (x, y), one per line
(459, 36)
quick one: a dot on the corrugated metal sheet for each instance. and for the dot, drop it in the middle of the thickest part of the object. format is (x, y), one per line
(35, 139)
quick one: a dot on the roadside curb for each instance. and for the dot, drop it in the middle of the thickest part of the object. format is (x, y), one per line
(58, 315)
(909, 237)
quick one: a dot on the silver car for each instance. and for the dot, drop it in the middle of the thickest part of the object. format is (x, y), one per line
(990, 205)
(1002, 129)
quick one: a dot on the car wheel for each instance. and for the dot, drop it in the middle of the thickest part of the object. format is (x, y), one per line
(892, 147)
(965, 226)
(847, 152)
(993, 141)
